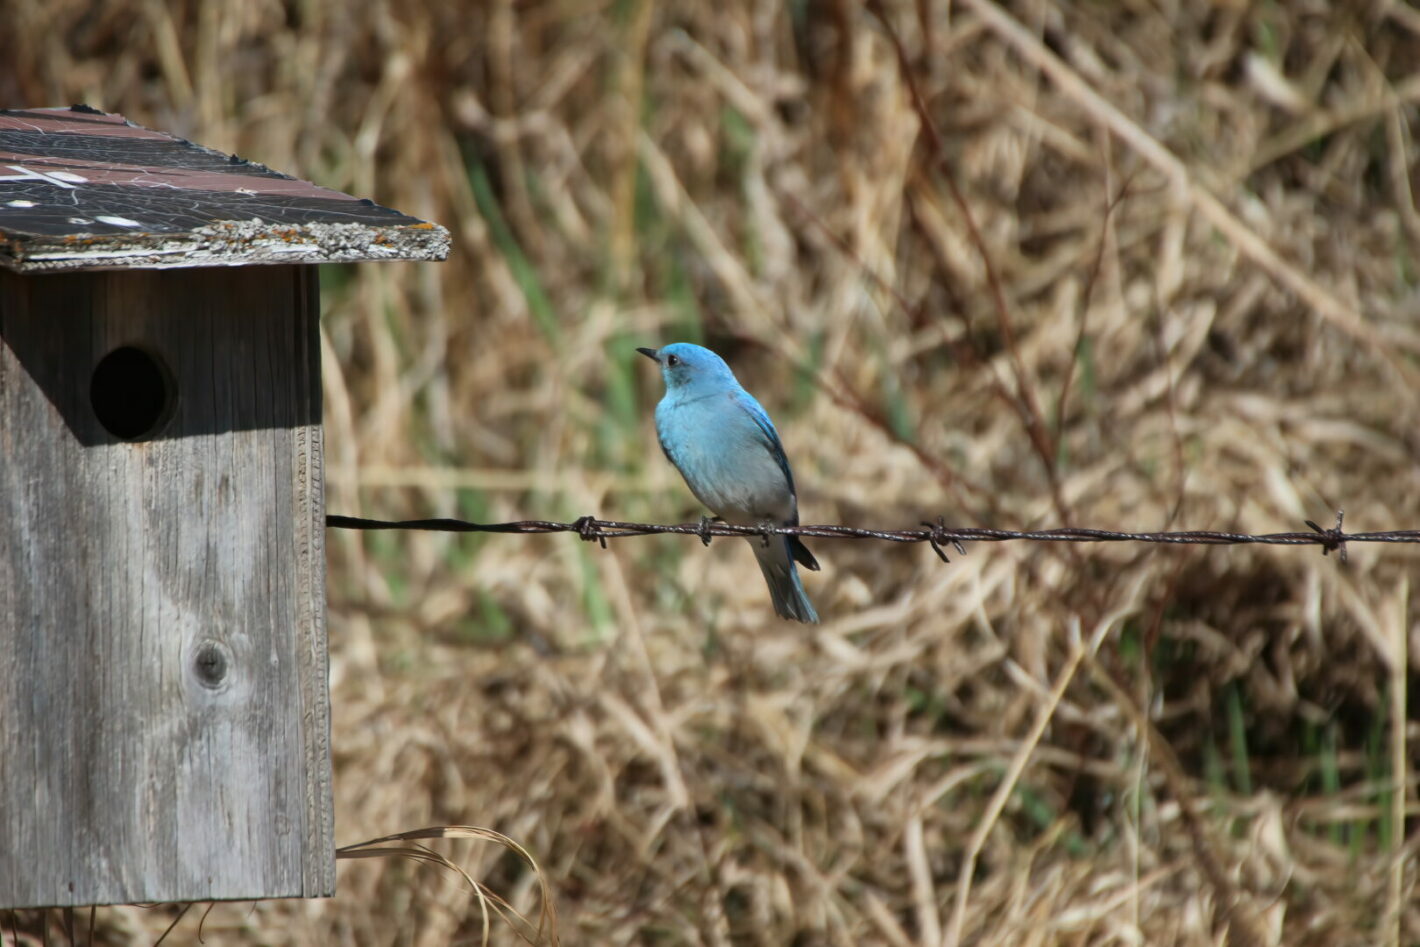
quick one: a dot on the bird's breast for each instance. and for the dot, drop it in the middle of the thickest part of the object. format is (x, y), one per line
(725, 460)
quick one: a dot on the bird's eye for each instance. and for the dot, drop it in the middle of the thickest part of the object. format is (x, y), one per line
(672, 360)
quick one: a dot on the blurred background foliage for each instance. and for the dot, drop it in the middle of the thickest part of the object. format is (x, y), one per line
(1000, 303)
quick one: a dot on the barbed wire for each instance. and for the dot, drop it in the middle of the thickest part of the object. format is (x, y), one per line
(937, 535)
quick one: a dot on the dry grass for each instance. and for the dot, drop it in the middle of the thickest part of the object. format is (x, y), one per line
(1200, 221)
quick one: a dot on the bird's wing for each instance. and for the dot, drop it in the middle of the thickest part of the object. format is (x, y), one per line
(750, 406)
(796, 546)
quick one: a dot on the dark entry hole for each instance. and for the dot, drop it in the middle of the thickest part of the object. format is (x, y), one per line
(132, 393)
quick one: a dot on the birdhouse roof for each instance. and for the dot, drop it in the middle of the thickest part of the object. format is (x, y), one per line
(84, 189)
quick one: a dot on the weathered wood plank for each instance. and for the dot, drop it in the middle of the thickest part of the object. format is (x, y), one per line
(164, 727)
(81, 189)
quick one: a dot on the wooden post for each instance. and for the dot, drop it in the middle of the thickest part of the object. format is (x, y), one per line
(164, 721)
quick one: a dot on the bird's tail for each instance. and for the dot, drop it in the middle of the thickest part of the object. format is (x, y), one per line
(783, 580)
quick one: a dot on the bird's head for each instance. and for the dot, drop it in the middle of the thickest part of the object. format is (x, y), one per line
(684, 365)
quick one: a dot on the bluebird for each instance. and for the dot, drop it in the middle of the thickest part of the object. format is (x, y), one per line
(726, 448)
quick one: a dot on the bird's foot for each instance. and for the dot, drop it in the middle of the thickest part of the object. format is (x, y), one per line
(705, 533)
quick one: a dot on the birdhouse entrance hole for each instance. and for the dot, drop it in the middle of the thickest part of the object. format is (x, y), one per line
(132, 392)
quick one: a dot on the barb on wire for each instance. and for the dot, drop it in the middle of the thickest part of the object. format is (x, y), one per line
(937, 535)
(1334, 537)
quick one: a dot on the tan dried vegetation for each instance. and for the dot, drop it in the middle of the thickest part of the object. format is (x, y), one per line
(1146, 265)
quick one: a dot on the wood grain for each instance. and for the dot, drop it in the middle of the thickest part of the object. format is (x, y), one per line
(164, 714)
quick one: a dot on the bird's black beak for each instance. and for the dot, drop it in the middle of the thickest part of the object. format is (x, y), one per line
(649, 353)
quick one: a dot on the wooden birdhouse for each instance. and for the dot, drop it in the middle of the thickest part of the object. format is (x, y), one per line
(164, 712)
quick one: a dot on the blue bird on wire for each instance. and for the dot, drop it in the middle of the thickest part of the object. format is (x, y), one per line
(726, 448)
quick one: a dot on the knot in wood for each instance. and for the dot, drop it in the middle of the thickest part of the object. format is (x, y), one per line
(211, 664)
